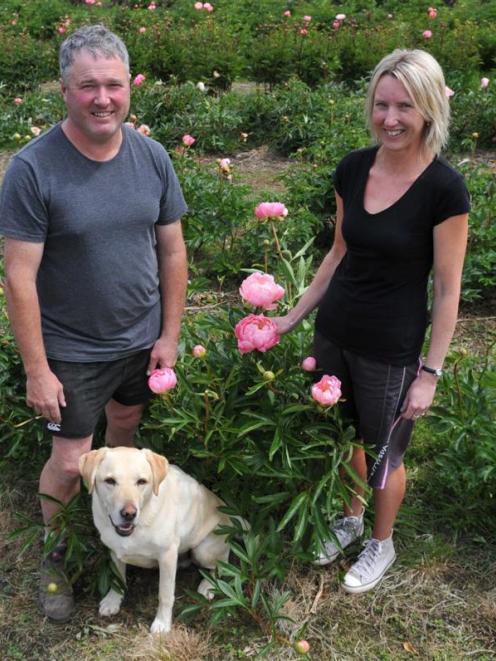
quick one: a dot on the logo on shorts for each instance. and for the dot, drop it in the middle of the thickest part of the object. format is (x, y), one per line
(53, 426)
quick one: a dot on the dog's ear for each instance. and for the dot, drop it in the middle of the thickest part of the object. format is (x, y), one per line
(159, 466)
(88, 463)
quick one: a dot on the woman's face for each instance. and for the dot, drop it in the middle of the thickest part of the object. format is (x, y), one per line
(397, 123)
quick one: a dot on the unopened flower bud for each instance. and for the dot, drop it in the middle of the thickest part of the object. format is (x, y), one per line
(302, 647)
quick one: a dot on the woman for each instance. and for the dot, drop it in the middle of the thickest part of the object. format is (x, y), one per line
(401, 211)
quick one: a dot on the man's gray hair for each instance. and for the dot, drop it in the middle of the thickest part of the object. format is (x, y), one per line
(95, 39)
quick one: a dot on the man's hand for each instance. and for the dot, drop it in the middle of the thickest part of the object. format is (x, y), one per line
(45, 394)
(163, 354)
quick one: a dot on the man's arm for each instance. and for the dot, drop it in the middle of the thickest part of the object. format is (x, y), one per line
(44, 392)
(173, 274)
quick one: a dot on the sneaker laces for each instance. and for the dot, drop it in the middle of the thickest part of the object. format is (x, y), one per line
(368, 557)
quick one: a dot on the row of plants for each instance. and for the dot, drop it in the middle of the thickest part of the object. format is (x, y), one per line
(268, 42)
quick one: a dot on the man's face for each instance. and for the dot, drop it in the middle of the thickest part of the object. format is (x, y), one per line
(97, 95)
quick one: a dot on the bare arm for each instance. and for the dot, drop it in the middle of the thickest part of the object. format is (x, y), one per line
(44, 392)
(450, 242)
(173, 273)
(317, 288)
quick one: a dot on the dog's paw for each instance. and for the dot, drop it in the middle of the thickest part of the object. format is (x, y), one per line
(110, 604)
(159, 626)
(205, 588)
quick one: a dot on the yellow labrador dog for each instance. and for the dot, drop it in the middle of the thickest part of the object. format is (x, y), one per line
(148, 512)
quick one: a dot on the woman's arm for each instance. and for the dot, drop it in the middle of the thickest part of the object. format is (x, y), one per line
(450, 242)
(317, 288)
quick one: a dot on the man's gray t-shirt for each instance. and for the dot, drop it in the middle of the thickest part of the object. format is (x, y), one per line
(98, 282)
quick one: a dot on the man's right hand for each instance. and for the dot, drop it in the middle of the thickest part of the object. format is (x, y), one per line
(45, 394)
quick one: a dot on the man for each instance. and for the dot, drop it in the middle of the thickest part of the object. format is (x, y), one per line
(95, 270)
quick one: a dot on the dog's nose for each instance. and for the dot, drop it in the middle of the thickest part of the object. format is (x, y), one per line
(128, 512)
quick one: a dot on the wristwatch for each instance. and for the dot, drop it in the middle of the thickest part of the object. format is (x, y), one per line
(431, 370)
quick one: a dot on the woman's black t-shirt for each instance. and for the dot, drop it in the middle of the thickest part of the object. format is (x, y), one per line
(376, 302)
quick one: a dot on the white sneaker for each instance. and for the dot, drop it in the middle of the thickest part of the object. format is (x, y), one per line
(371, 565)
(346, 531)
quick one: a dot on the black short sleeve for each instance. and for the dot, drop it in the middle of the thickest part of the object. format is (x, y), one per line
(453, 197)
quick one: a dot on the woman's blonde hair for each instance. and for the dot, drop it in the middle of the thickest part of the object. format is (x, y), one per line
(423, 79)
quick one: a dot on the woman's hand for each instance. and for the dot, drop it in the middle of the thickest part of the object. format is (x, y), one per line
(420, 396)
(284, 324)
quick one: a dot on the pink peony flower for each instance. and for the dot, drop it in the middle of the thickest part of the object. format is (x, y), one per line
(309, 364)
(35, 130)
(427, 34)
(161, 380)
(448, 91)
(188, 140)
(144, 129)
(286, 13)
(340, 17)
(484, 83)
(304, 32)
(225, 164)
(152, 6)
(198, 5)
(90, 2)
(307, 19)
(256, 332)
(336, 24)
(199, 351)
(139, 80)
(271, 210)
(432, 12)
(142, 30)
(327, 391)
(61, 29)
(261, 290)
(208, 6)
(18, 100)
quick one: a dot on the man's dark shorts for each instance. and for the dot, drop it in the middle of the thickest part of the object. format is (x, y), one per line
(374, 393)
(88, 387)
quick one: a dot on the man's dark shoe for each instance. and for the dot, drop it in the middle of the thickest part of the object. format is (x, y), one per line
(56, 598)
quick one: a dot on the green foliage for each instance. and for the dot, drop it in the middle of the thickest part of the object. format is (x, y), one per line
(21, 436)
(466, 467)
(216, 222)
(24, 60)
(479, 273)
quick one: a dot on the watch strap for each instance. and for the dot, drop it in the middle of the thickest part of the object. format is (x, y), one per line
(437, 371)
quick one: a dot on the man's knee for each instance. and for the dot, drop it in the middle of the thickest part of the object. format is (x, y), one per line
(123, 417)
(65, 455)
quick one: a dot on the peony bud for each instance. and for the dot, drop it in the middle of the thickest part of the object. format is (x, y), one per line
(302, 647)
(139, 80)
(199, 351)
(309, 364)
(188, 140)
